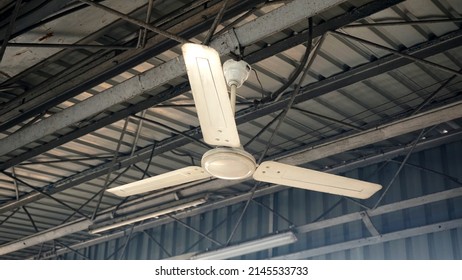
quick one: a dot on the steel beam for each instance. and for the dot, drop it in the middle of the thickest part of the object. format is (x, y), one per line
(453, 193)
(148, 202)
(402, 234)
(281, 18)
(69, 46)
(45, 236)
(327, 85)
(136, 21)
(374, 135)
(35, 11)
(10, 28)
(328, 148)
(405, 204)
(428, 48)
(151, 79)
(50, 94)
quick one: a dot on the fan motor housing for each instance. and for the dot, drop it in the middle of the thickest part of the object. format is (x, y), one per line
(229, 163)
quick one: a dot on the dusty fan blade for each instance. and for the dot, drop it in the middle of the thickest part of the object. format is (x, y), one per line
(169, 179)
(293, 176)
(210, 94)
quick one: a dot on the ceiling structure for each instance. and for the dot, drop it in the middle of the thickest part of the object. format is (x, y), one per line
(94, 95)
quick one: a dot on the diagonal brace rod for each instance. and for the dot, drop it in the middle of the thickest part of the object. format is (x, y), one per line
(411, 57)
(136, 21)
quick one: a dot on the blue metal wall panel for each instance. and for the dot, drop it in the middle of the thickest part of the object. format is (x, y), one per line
(427, 172)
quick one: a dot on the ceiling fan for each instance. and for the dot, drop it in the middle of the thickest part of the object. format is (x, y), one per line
(215, 110)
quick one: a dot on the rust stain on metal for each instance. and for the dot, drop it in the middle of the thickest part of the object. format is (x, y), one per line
(19, 53)
(48, 35)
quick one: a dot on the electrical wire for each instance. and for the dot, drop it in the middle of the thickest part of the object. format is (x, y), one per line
(293, 95)
(278, 93)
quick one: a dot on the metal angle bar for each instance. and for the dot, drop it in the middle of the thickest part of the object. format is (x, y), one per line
(10, 29)
(43, 236)
(138, 132)
(388, 208)
(265, 128)
(402, 234)
(136, 21)
(215, 227)
(282, 17)
(443, 175)
(157, 243)
(313, 153)
(279, 215)
(359, 73)
(143, 31)
(426, 49)
(126, 242)
(38, 190)
(105, 70)
(69, 46)
(397, 151)
(380, 133)
(294, 159)
(98, 124)
(244, 210)
(240, 18)
(96, 194)
(297, 88)
(431, 96)
(111, 168)
(101, 158)
(417, 49)
(195, 230)
(413, 58)
(196, 211)
(332, 120)
(83, 205)
(30, 219)
(275, 96)
(72, 250)
(9, 216)
(151, 156)
(327, 211)
(113, 254)
(215, 23)
(162, 74)
(399, 23)
(171, 129)
(401, 166)
(40, 93)
(453, 193)
(15, 183)
(369, 225)
(116, 250)
(36, 11)
(332, 24)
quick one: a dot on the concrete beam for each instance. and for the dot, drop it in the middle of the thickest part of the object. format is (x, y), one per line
(230, 41)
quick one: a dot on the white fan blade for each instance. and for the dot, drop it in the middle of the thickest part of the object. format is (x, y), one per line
(169, 179)
(210, 94)
(293, 176)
